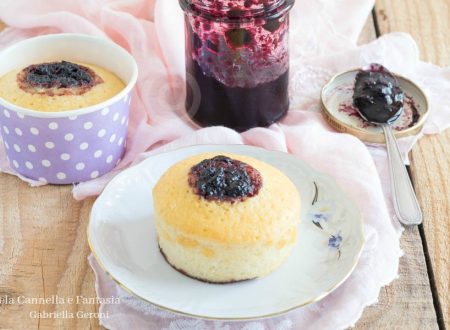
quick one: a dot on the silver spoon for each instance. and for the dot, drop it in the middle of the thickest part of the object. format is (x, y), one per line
(405, 201)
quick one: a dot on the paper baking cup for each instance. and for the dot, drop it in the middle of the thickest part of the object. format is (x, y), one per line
(69, 146)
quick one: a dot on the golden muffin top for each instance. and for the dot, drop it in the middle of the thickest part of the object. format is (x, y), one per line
(59, 86)
(228, 198)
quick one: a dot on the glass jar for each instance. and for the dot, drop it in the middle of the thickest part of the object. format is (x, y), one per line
(237, 61)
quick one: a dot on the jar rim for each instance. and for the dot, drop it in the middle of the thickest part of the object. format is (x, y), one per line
(275, 11)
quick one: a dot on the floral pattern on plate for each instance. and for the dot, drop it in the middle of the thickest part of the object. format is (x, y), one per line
(321, 214)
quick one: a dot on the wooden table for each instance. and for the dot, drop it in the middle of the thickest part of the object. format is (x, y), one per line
(44, 230)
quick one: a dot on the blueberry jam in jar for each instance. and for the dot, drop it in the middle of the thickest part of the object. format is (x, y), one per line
(237, 61)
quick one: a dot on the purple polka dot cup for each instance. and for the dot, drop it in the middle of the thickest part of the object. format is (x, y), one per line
(68, 146)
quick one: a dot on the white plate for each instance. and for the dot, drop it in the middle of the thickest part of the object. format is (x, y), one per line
(122, 237)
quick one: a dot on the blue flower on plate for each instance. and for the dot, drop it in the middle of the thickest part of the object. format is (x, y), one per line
(318, 218)
(335, 241)
(322, 213)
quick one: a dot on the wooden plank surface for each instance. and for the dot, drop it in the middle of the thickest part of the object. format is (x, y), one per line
(407, 303)
(43, 254)
(429, 24)
(44, 246)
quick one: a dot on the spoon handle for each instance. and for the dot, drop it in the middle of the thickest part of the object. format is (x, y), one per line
(405, 201)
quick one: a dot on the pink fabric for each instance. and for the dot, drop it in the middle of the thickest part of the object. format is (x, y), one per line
(323, 42)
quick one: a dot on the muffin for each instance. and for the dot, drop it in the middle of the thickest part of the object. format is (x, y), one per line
(64, 106)
(223, 218)
(59, 86)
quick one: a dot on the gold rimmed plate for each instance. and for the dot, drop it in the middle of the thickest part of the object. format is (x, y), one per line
(338, 109)
(122, 237)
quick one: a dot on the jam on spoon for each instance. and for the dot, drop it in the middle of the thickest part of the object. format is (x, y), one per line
(379, 99)
(378, 96)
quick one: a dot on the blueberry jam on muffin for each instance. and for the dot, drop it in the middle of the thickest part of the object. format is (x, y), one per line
(225, 179)
(59, 86)
(57, 78)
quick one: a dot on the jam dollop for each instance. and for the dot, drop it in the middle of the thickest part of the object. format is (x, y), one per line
(224, 179)
(377, 95)
(57, 78)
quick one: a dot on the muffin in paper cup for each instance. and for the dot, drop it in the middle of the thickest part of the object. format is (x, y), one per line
(67, 146)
